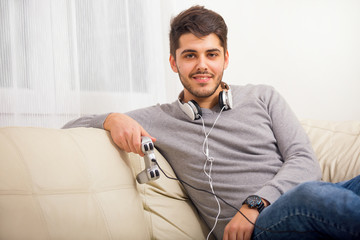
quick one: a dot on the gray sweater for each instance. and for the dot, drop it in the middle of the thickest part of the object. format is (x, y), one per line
(258, 147)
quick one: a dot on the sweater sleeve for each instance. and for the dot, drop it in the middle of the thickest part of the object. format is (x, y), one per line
(299, 161)
(89, 121)
(143, 116)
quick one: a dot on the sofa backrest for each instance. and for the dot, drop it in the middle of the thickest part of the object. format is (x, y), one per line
(337, 147)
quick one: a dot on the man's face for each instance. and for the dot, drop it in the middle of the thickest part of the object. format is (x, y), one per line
(200, 63)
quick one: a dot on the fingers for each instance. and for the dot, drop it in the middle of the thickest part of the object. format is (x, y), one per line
(233, 235)
(131, 141)
(239, 228)
(126, 132)
(134, 141)
(134, 144)
(236, 235)
(145, 133)
(230, 236)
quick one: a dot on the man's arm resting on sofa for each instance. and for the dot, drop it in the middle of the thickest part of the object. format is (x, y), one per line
(93, 121)
(125, 131)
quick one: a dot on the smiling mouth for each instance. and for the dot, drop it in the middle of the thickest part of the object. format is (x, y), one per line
(202, 77)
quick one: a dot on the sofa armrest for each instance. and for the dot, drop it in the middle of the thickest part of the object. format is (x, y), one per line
(76, 184)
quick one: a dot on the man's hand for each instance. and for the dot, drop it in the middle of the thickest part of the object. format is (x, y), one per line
(126, 132)
(239, 228)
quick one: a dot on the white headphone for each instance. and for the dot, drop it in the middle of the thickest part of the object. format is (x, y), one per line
(193, 110)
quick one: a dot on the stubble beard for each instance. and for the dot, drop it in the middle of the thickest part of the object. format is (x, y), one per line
(199, 92)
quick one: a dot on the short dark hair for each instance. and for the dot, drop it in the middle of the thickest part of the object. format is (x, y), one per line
(199, 21)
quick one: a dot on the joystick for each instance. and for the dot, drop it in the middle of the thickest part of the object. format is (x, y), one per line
(151, 171)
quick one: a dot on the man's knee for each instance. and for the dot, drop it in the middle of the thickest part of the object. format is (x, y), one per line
(309, 193)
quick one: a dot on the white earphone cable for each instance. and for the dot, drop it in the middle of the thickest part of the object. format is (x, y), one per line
(210, 160)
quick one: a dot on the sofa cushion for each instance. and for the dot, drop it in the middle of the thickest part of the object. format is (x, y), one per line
(167, 207)
(337, 147)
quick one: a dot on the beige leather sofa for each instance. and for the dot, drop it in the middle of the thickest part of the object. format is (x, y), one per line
(75, 184)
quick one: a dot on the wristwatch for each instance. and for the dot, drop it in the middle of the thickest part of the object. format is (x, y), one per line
(254, 201)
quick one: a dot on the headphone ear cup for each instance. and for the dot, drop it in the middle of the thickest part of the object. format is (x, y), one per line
(225, 99)
(191, 109)
(222, 100)
(229, 98)
(196, 109)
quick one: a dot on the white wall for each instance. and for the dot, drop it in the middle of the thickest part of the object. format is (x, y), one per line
(309, 50)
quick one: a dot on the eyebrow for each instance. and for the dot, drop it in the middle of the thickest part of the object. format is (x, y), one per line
(194, 51)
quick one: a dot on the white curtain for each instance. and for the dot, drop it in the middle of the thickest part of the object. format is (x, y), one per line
(61, 59)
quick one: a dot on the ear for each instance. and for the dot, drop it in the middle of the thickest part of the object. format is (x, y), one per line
(226, 63)
(173, 63)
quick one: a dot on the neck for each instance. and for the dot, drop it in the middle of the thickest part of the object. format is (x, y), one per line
(206, 102)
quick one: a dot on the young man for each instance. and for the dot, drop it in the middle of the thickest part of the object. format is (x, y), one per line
(258, 153)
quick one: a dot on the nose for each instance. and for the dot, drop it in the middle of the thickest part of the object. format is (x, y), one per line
(201, 64)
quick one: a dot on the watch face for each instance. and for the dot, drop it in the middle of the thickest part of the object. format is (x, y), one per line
(253, 201)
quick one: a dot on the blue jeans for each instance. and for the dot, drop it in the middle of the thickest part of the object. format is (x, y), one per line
(313, 210)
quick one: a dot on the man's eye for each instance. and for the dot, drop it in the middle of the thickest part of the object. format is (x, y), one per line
(212, 55)
(189, 56)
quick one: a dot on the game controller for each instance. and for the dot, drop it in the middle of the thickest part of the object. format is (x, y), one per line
(151, 171)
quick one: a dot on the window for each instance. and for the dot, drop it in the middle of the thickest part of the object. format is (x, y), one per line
(64, 59)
